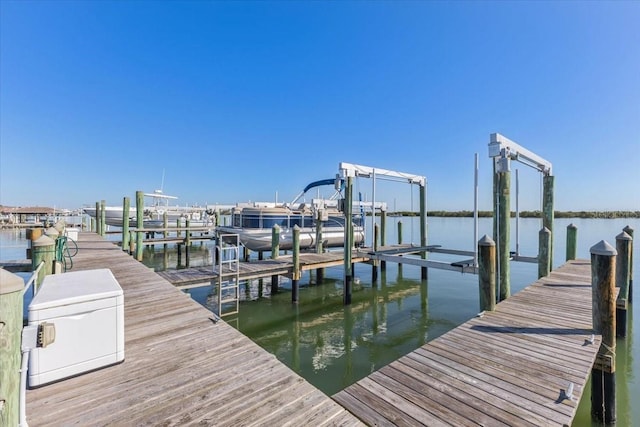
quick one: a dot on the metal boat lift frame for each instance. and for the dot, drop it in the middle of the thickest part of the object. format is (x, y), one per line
(349, 171)
(502, 150)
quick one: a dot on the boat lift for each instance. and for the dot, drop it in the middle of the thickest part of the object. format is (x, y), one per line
(502, 150)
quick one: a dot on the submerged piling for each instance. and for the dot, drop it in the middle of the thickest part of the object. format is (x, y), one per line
(383, 236)
(629, 231)
(348, 239)
(374, 263)
(275, 252)
(603, 374)
(623, 268)
(296, 264)
(319, 245)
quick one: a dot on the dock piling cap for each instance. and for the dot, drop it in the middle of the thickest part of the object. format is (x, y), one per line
(486, 241)
(10, 282)
(44, 241)
(623, 236)
(603, 248)
(52, 232)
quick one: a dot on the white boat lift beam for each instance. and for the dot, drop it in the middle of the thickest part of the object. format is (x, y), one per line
(502, 150)
(349, 169)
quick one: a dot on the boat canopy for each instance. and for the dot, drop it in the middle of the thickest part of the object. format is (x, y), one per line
(320, 183)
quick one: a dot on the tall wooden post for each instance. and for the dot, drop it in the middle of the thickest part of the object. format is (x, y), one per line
(11, 300)
(32, 234)
(547, 211)
(126, 204)
(629, 231)
(544, 252)
(348, 239)
(98, 215)
(383, 236)
(296, 264)
(399, 232)
(603, 374)
(275, 241)
(319, 245)
(487, 273)
(374, 263)
(423, 227)
(623, 268)
(187, 242)
(43, 249)
(103, 218)
(503, 212)
(139, 223)
(572, 242)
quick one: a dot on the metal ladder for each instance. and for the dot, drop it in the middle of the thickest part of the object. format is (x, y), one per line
(227, 255)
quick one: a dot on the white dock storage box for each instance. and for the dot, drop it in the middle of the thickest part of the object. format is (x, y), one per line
(87, 309)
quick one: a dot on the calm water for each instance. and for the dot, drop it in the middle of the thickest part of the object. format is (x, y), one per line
(333, 346)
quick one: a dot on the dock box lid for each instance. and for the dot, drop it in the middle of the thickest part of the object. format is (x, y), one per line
(75, 287)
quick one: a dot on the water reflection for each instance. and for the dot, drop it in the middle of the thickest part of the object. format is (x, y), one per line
(329, 344)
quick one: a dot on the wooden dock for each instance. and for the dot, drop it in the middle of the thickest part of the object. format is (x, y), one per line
(512, 366)
(182, 366)
(255, 269)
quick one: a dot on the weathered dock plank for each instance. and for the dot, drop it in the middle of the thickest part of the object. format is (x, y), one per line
(507, 367)
(255, 269)
(182, 366)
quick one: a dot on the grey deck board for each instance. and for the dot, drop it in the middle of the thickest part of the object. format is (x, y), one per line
(180, 366)
(506, 367)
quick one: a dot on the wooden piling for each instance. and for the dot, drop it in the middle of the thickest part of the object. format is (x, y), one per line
(383, 236)
(319, 246)
(547, 211)
(623, 268)
(399, 232)
(126, 204)
(139, 223)
(275, 241)
(11, 306)
(487, 273)
(603, 374)
(348, 239)
(103, 217)
(32, 234)
(296, 264)
(98, 231)
(374, 263)
(572, 242)
(423, 227)
(504, 220)
(544, 252)
(43, 250)
(629, 231)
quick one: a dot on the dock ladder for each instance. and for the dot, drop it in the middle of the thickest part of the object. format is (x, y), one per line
(227, 255)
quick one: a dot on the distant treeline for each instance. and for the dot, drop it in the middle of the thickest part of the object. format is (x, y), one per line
(527, 214)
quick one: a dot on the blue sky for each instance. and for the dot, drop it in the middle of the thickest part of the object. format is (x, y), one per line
(236, 101)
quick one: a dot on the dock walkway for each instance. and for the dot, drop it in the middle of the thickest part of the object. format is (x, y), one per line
(256, 269)
(512, 366)
(181, 367)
